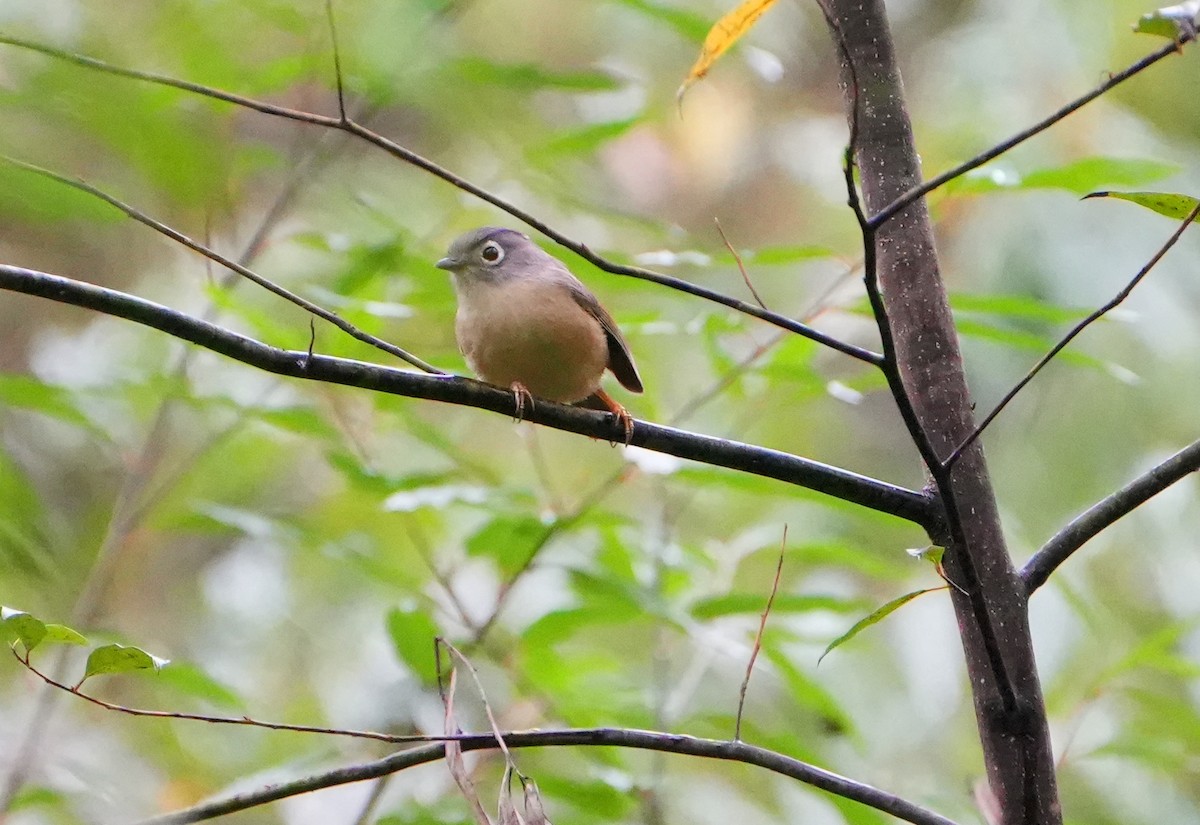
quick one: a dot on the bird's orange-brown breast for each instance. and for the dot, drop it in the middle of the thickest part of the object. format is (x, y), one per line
(551, 345)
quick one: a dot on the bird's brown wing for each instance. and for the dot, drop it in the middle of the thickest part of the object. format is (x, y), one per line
(620, 361)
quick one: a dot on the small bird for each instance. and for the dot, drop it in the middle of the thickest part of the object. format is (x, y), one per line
(525, 322)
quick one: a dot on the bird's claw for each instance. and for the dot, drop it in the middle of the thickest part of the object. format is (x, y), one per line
(522, 394)
(619, 413)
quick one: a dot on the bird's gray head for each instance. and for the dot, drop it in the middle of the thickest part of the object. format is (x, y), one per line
(493, 254)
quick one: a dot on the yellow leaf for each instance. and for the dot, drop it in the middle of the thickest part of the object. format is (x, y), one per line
(724, 33)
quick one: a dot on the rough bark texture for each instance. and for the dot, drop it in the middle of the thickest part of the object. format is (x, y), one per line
(1014, 734)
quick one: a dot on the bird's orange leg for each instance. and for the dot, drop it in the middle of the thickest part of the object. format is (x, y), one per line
(622, 415)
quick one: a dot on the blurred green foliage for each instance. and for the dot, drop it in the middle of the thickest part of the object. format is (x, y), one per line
(294, 548)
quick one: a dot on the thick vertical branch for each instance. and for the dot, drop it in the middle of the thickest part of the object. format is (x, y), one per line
(992, 617)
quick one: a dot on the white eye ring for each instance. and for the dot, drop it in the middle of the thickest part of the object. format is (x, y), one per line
(492, 253)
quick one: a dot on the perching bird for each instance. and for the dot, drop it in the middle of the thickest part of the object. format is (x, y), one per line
(525, 322)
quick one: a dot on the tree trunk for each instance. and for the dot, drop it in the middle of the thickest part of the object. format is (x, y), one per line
(1011, 717)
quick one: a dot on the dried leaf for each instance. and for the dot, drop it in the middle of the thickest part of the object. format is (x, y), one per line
(724, 33)
(454, 757)
(535, 812)
(506, 811)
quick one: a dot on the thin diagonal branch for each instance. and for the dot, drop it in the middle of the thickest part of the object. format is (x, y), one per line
(350, 126)
(1106, 512)
(740, 752)
(892, 209)
(758, 637)
(1072, 334)
(740, 265)
(177, 236)
(337, 60)
(834, 481)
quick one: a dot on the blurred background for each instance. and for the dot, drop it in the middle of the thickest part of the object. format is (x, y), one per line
(293, 548)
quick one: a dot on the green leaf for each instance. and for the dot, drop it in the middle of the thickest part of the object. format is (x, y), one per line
(19, 625)
(508, 540)
(559, 625)
(413, 632)
(782, 255)
(583, 141)
(733, 604)
(62, 635)
(1080, 177)
(1020, 339)
(808, 693)
(1171, 22)
(1016, 307)
(120, 659)
(30, 197)
(298, 420)
(531, 77)
(594, 797)
(191, 680)
(931, 553)
(692, 26)
(37, 796)
(1164, 203)
(875, 617)
(29, 393)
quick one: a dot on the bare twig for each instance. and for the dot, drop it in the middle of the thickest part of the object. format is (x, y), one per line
(337, 60)
(349, 126)
(1106, 512)
(597, 737)
(234, 266)
(244, 721)
(758, 637)
(741, 266)
(917, 192)
(1070, 336)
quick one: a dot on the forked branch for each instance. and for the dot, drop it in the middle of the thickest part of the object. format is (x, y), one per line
(1072, 334)
(1107, 512)
(345, 124)
(868, 492)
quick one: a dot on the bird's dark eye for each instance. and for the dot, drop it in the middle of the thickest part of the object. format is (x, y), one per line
(492, 253)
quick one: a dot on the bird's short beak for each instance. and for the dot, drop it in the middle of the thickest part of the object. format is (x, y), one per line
(447, 263)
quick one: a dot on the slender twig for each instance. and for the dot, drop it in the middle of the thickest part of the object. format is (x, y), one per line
(177, 236)
(741, 266)
(337, 61)
(758, 637)
(548, 534)
(350, 126)
(1106, 512)
(917, 192)
(1071, 335)
(739, 752)
(243, 721)
(871, 493)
